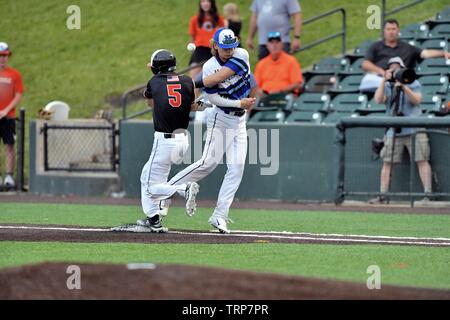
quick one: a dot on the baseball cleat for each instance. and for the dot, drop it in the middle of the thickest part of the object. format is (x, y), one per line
(153, 223)
(192, 189)
(219, 223)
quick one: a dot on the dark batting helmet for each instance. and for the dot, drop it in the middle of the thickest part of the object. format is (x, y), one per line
(163, 61)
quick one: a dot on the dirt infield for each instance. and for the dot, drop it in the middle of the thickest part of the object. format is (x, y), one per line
(15, 232)
(147, 281)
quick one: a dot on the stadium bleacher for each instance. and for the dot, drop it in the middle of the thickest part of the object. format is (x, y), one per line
(331, 88)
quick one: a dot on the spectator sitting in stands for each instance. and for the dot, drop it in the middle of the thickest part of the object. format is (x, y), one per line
(279, 72)
(379, 53)
(402, 100)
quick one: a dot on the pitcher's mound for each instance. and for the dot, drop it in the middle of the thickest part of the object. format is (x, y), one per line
(149, 281)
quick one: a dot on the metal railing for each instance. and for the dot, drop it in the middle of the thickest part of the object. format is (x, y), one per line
(21, 151)
(382, 122)
(342, 33)
(385, 13)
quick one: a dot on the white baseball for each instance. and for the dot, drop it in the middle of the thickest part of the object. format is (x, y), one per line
(191, 47)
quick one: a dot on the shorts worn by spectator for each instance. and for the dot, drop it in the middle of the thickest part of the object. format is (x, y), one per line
(11, 90)
(279, 72)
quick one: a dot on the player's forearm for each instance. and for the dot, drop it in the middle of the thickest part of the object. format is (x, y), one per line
(216, 99)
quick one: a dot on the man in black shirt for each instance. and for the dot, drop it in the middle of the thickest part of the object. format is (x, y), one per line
(172, 97)
(379, 53)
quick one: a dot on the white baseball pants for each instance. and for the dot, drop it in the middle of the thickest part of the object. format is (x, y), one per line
(227, 134)
(165, 152)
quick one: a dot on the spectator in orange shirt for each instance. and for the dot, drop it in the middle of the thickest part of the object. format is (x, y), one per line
(11, 89)
(279, 72)
(201, 29)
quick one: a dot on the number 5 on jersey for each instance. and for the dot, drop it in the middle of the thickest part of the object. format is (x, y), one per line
(174, 95)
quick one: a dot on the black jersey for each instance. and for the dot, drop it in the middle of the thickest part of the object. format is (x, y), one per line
(172, 96)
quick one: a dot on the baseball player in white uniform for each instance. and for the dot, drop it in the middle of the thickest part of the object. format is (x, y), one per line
(226, 77)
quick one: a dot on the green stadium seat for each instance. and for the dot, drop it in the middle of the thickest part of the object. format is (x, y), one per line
(311, 102)
(348, 85)
(335, 117)
(354, 69)
(414, 31)
(320, 83)
(304, 116)
(436, 44)
(361, 49)
(433, 66)
(443, 16)
(432, 103)
(348, 102)
(268, 116)
(440, 31)
(374, 107)
(377, 115)
(274, 102)
(330, 65)
(434, 84)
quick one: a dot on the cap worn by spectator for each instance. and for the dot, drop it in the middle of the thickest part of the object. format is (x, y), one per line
(225, 38)
(397, 60)
(274, 35)
(4, 49)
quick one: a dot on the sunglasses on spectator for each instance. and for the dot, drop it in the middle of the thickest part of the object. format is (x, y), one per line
(274, 36)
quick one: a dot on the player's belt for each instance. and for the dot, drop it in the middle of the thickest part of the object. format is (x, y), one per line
(232, 111)
(168, 135)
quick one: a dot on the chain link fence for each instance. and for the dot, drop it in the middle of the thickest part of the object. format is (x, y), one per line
(359, 170)
(79, 148)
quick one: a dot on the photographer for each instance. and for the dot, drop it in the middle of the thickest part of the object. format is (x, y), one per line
(401, 93)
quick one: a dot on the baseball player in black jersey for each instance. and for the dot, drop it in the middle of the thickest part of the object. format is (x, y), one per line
(172, 97)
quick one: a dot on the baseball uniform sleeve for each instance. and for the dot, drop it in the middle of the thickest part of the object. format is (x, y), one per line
(208, 69)
(239, 62)
(148, 91)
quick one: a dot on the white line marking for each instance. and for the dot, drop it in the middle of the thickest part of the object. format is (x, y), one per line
(317, 239)
(338, 235)
(280, 235)
(54, 228)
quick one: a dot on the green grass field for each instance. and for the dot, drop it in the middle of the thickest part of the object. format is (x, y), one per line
(400, 265)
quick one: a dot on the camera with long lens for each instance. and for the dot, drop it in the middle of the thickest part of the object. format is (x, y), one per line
(404, 76)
